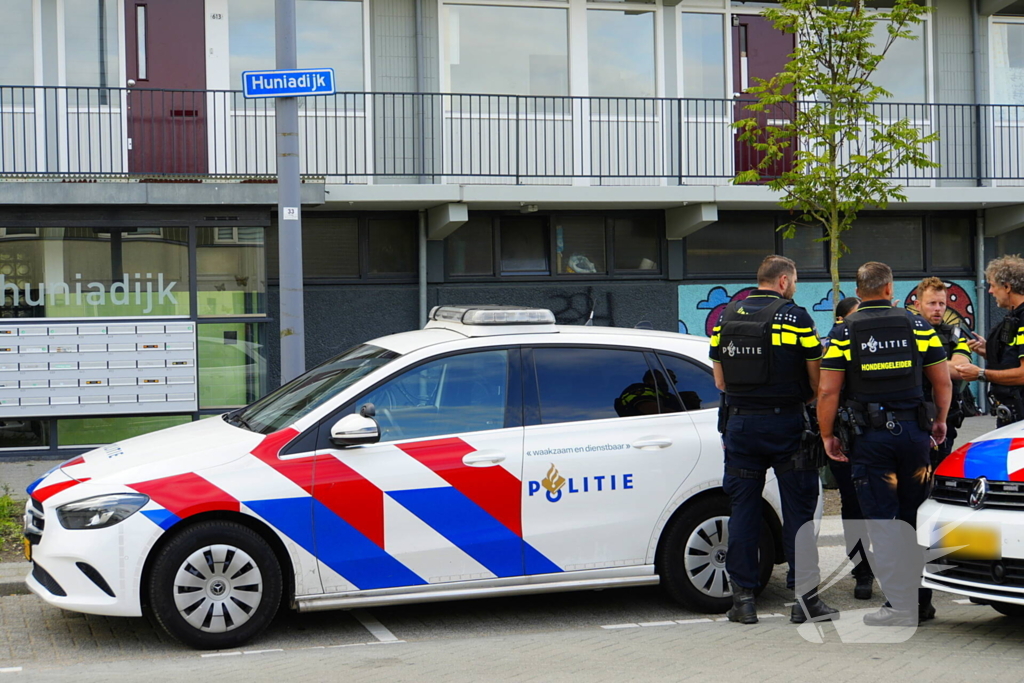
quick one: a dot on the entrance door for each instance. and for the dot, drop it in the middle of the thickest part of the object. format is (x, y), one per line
(165, 41)
(759, 50)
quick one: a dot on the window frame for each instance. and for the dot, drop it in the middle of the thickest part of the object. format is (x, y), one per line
(611, 272)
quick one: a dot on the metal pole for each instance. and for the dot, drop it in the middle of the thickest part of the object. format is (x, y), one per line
(289, 212)
(422, 232)
(980, 299)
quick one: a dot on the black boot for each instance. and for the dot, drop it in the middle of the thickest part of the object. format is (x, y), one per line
(925, 612)
(811, 607)
(743, 611)
(862, 591)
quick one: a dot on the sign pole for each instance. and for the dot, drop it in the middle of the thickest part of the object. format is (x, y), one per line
(289, 205)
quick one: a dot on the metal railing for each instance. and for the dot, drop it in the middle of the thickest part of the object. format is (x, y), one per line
(72, 132)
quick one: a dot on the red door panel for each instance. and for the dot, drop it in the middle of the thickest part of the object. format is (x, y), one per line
(759, 50)
(165, 41)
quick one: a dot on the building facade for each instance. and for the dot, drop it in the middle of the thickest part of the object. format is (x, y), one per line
(569, 154)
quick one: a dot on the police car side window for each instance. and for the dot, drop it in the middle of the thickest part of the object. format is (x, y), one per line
(577, 384)
(450, 395)
(694, 383)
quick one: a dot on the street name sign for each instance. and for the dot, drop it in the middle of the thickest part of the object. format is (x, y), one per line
(287, 83)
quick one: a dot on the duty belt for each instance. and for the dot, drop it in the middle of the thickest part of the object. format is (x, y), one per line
(777, 410)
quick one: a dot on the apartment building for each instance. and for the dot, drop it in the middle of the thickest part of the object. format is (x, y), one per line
(569, 154)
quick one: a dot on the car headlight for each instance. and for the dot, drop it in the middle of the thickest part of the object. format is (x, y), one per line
(101, 511)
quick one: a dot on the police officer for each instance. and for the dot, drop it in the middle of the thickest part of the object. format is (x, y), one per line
(1004, 348)
(650, 396)
(863, 576)
(931, 302)
(767, 358)
(882, 354)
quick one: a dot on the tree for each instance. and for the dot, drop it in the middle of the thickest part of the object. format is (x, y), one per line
(844, 153)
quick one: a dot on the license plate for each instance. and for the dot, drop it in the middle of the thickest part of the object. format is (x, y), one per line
(970, 541)
(27, 549)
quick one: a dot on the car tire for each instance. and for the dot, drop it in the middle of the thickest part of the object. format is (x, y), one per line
(215, 585)
(691, 557)
(1008, 609)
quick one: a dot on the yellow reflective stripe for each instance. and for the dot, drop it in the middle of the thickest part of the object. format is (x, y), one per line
(933, 341)
(791, 328)
(834, 352)
(840, 342)
(809, 342)
(1019, 340)
(924, 333)
(962, 347)
(776, 340)
(922, 346)
(715, 340)
(788, 338)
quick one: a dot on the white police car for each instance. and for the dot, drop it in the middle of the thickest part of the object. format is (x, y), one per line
(973, 522)
(492, 453)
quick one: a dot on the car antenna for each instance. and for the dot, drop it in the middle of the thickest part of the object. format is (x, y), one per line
(590, 319)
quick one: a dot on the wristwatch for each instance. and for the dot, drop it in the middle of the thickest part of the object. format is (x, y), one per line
(981, 375)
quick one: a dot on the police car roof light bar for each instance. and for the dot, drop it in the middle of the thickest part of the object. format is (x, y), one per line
(492, 315)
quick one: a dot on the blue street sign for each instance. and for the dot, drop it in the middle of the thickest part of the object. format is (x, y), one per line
(288, 83)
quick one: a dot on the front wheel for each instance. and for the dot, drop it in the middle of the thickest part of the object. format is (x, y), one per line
(1008, 609)
(691, 559)
(215, 585)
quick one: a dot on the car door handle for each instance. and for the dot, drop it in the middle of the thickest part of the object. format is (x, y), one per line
(483, 458)
(653, 443)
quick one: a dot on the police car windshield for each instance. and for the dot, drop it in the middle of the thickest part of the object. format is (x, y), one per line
(279, 409)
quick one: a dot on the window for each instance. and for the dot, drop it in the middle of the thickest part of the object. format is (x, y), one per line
(470, 248)
(392, 246)
(694, 383)
(583, 245)
(16, 47)
(576, 384)
(524, 246)
(902, 72)
(20, 433)
(508, 50)
(453, 395)
(703, 45)
(737, 243)
(895, 240)
(951, 243)
(330, 35)
(232, 277)
(1007, 47)
(92, 273)
(802, 248)
(232, 366)
(580, 245)
(621, 53)
(90, 43)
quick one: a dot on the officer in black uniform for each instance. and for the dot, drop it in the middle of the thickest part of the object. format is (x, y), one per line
(882, 354)
(1004, 348)
(856, 549)
(766, 357)
(931, 303)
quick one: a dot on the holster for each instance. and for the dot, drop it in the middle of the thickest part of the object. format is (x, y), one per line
(1006, 403)
(926, 414)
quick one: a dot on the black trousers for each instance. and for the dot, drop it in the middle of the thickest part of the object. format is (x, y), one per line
(856, 549)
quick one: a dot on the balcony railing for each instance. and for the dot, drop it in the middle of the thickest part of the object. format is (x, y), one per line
(70, 132)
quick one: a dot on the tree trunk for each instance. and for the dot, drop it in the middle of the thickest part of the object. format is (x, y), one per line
(833, 264)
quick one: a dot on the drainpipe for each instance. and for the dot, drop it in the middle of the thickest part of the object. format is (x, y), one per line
(423, 266)
(980, 293)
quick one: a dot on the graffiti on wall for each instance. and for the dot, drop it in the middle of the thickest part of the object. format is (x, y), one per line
(701, 306)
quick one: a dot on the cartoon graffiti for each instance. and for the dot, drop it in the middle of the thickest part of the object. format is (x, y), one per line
(575, 308)
(959, 307)
(701, 305)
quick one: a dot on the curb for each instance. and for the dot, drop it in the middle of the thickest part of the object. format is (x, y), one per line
(12, 578)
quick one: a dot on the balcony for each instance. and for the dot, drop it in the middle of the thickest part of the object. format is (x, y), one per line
(70, 133)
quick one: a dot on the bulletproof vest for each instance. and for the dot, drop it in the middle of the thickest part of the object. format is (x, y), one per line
(884, 358)
(745, 346)
(998, 343)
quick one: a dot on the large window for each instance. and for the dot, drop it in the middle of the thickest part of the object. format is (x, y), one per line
(703, 46)
(566, 245)
(593, 384)
(232, 364)
(232, 278)
(1007, 47)
(515, 50)
(903, 71)
(16, 44)
(330, 35)
(896, 240)
(621, 46)
(736, 244)
(90, 35)
(93, 272)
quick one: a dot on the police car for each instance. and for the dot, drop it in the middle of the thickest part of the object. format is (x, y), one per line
(492, 453)
(973, 525)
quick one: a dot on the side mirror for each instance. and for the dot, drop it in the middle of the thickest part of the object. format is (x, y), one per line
(355, 430)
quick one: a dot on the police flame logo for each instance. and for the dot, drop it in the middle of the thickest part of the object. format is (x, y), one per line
(872, 344)
(730, 349)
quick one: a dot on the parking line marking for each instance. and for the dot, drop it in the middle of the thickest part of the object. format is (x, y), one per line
(221, 654)
(657, 623)
(702, 620)
(10, 670)
(260, 652)
(773, 615)
(611, 626)
(376, 629)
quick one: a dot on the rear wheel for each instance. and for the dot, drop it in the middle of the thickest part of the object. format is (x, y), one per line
(691, 559)
(215, 585)
(1008, 609)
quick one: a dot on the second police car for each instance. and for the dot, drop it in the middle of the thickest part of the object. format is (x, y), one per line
(491, 453)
